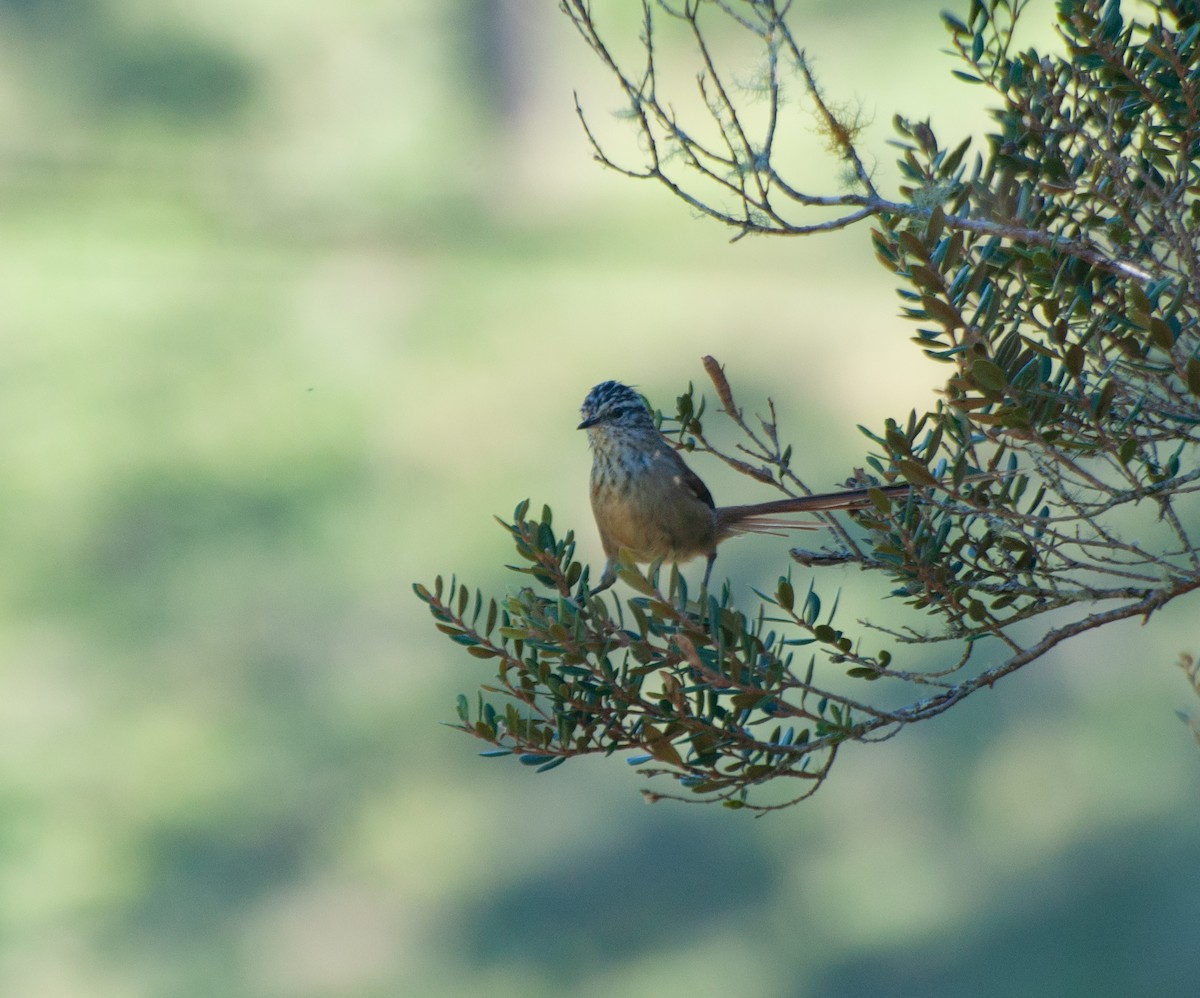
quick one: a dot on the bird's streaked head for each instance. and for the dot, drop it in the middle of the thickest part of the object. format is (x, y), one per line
(613, 404)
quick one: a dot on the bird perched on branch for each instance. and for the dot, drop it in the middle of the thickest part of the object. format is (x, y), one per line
(647, 501)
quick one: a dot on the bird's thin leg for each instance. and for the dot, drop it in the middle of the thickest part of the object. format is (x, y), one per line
(708, 569)
(608, 578)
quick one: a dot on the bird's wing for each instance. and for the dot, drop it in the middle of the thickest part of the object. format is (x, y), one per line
(696, 485)
(688, 478)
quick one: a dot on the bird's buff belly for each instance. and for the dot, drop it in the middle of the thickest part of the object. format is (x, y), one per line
(651, 523)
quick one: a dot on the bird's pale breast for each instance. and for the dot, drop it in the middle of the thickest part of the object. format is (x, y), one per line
(642, 501)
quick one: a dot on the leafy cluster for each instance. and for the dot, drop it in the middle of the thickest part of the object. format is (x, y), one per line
(1055, 274)
(708, 694)
(1075, 350)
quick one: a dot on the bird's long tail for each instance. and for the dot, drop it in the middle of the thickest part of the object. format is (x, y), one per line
(767, 525)
(759, 518)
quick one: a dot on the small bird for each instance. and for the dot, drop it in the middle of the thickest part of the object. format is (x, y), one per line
(648, 501)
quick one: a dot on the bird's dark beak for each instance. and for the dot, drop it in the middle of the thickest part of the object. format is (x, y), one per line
(588, 422)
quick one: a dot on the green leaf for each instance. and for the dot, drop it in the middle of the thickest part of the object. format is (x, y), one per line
(937, 219)
(1073, 359)
(954, 25)
(812, 607)
(635, 580)
(749, 701)
(912, 245)
(880, 500)
(547, 766)
(1193, 376)
(1137, 298)
(1104, 400)
(659, 746)
(1160, 334)
(785, 596)
(915, 472)
(988, 376)
(937, 309)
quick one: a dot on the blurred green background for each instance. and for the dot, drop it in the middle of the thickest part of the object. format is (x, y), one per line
(295, 298)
